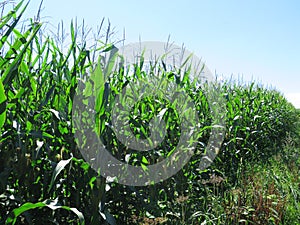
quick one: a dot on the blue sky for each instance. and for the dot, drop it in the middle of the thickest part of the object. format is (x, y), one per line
(258, 40)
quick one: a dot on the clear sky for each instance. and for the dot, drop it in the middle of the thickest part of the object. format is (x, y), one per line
(258, 40)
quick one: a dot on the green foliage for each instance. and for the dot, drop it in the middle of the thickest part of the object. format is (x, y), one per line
(45, 180)
(2, 105)
(48, 203)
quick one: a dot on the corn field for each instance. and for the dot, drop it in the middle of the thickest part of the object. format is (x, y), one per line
(44, 178)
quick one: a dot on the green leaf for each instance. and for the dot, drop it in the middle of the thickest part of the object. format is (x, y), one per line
(12, 70)
(144, 160)
(13, 25)
(45, 134)
(111, 61)
(52, 204)
(144, 167)
(98, 78)
(48, 95)
(2, 105)
(59, 167)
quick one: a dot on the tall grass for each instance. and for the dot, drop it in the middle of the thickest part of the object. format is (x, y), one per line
(44, 179)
